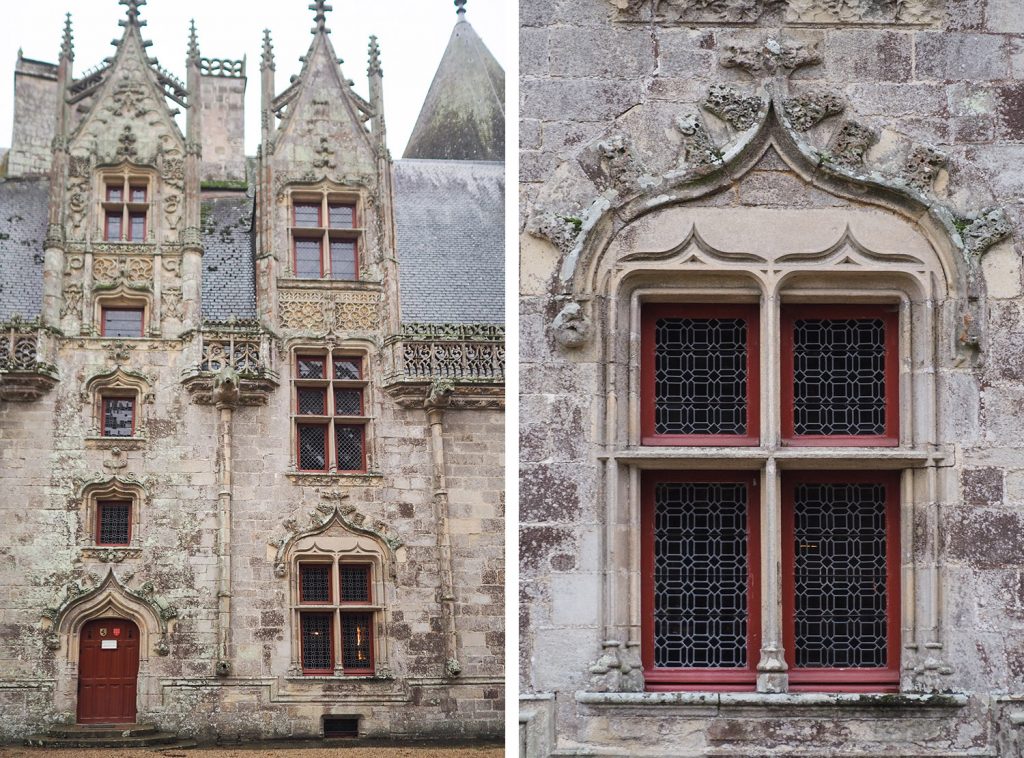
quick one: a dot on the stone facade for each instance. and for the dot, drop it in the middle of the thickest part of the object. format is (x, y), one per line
(765, 152)
(221, 510)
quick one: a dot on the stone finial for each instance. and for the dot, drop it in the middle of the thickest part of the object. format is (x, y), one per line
(193, 43)
(267, 61)
(770, 56)
(320, 10)
(922, 166)
(132, 13)
(728, 104)
(67, 48)
(374, 68)
(811, 108)
(986, 228)
(850, 143)
(460, 9)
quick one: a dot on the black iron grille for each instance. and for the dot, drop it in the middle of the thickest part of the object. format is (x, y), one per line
(315, 583)
(350, 447)
(118, 416)
(355, 640)
(348, 402)
(316, 642)
(700, 575)
(114, 523)
(839, 376)
(312, 448)
(840, 575)
(700, 376)
(312, 401)
(355, 583)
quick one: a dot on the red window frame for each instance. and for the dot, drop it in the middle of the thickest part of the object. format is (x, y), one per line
(136, 188)
(306, 566)
(355, 219)
(843, 679)
(888, 313)
(295, 253)
(651, 313)
(103, 413)
(142, 320)
(107, 218)
(100, 505)
(308, 204)
(355, 258)
(718, 679)
(132, 217)
(323, 426)
(369, 668)
(367, 568)
(111, 189)
(330, 646)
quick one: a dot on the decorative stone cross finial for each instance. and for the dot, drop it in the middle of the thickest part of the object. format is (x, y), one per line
(193, 43)
(268, 51)
(320, 9)
(67, 49)
(460, 9)
(374, 57)
(133, 10)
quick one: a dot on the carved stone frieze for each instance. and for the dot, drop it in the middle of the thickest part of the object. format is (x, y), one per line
(111, 554)
(850, 144)
(126, 143)
(132, 270)
(922, 166)
(770, 56)
(725, 101)
(809, 109)
(910, 12)
(697, 150)
(453, 332)
(329, 311)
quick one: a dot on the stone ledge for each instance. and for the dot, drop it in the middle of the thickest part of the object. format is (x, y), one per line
(784, 700)
(316, 479)
(97, 442)
(753, 457)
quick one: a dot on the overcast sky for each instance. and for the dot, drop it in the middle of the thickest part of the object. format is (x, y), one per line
(413, 35)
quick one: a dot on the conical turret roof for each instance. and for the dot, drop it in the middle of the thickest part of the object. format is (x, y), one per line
(463, 116)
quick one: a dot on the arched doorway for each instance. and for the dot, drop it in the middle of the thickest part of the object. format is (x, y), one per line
(108, 671)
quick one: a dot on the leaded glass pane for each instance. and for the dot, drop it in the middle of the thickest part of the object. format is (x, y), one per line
(348, 402)
(348, 368)
(315, 583)
(355, 640)
(312, 401)
(118, 416)
(311, 368)
(112, 227)
(342, 216)
(137, 227)
(307, 215)
(840, 575)
(700, 575)
(839, 376)
(316, 642)
(350, 447)
(114, 521)
(312, 447)
(355, 583)
(343, 260)
(121, 322)
(700, 376)
(307, 258)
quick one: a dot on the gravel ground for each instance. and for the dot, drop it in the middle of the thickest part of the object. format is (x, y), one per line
(256, 751)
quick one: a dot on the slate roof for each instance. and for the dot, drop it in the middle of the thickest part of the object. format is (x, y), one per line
(23, 218)
(463, 116)
(229, 280)
(451, 240)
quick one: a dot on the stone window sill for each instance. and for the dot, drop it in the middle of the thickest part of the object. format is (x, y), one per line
(713, 700)
(794, 457)
(351, 285)
(107, 443)
(335, 678)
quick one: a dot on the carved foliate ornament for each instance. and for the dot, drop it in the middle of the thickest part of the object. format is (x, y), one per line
(922, 166)
(985, 228)
(850, 144)
(809, 109)
(697, 149)
(725, 101)
(770, 56)
(618, 162)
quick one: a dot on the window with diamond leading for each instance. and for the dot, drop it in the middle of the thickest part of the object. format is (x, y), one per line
(700, 591)
(113, 522)
(700, 374)
(841, 568)
(325, 237)
(330, 413)
(840, 375)
(337, 615)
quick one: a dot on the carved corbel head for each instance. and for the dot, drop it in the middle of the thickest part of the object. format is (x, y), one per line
(570, 327)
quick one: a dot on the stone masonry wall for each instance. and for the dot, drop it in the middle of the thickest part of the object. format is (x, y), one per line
(949, 75)
(223, 128)
(43, 449)
(35, 101)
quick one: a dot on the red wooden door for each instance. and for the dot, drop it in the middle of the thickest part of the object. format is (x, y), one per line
(108, 672)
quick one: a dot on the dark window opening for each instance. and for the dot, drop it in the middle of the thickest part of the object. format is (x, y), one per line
(342, 216)
(312, 447)
(348, 402)
(312, 401)
(356, 645)
(138, 194)
(307, 259)
(341, 726)
(311, 368)
(112, 226)
(113, 523)
(307, 215)
(349, 440)
(315, 583)
(118, 416)
(136, 227)
(317, 647)
(348, 368)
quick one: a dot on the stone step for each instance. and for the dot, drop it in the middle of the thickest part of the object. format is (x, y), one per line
(156, 739)
(101, 730)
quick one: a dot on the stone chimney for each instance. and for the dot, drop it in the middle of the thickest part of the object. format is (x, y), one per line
(222, 123)
(35, 117)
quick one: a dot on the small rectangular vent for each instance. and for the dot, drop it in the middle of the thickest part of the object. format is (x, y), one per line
(341, 726)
